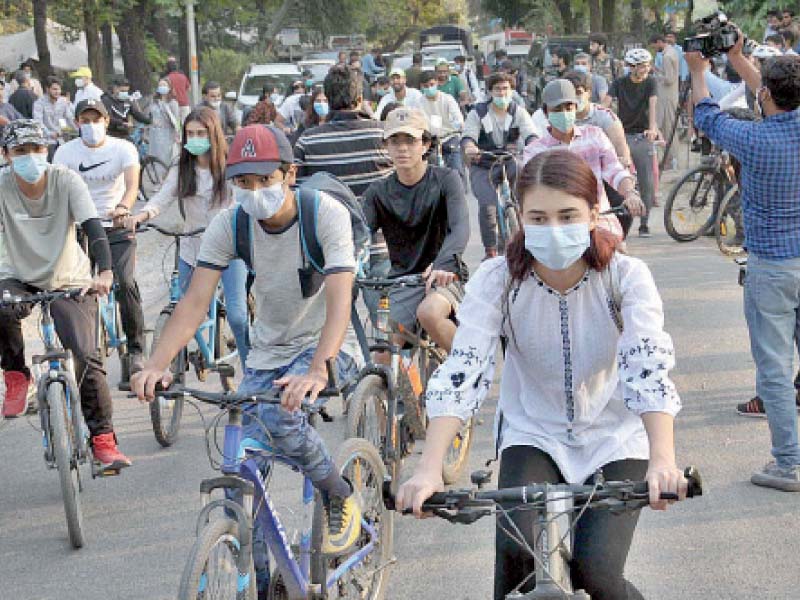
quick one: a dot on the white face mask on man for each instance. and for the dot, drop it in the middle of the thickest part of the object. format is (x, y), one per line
(263, 203)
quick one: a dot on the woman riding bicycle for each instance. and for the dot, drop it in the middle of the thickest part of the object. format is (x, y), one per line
(585, 383)
(198, 182)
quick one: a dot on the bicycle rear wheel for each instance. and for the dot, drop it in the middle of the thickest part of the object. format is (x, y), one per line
(151, 174)
(165, 413)
(61, 437)
(211, 571)
(361, 464)
(728, 227)
(692, 202)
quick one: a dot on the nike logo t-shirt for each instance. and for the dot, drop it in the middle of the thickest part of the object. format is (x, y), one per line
(102, 168)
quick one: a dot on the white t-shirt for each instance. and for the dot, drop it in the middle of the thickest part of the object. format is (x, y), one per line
(412, 97)
(102, 168)
(87, 92)
(290, 108)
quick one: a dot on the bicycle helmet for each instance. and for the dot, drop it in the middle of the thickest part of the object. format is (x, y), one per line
(763, 52)
(637, 56)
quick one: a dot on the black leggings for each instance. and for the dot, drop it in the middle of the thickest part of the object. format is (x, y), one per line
(601, 540)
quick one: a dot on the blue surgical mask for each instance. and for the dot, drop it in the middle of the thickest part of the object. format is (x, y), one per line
(123, 96)
(30, 167)
(197, 145)
(581, 68)
(430, 92)
(381, 92)
(309, 82)
(163, 90)
(276, 98)
(557, 247)
(261, 204)
(501, 101)
(564, 121)
(321, 108)
(93, 133)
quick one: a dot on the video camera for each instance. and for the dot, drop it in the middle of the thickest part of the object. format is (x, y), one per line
(715, 35)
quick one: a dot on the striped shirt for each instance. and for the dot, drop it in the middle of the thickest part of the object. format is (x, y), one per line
(769, 179)
(593, 146)
(349, 146)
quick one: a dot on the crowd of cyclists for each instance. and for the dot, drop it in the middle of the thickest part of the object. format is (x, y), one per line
(585, 379)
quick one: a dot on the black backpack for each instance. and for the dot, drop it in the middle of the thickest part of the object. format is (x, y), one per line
(308, 198)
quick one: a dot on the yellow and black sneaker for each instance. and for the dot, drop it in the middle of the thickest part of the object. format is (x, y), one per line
(344, 524)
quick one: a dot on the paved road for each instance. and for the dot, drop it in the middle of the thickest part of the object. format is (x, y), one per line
(736, 542)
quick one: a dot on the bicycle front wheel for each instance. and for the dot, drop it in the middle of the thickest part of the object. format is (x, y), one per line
(690, 208)
(366, 411)
(728, 227)
(165, 413)
(151, 175)
(61, 436)
(211, 572)
(361, 465)
(458, 454)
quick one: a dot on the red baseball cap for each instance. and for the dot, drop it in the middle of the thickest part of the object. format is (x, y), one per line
(258, 150)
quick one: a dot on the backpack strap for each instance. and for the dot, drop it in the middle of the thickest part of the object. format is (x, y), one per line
(243, 241)
(610, 277)
(307, 209)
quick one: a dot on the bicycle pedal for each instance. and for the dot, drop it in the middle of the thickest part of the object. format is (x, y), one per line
(225, 370)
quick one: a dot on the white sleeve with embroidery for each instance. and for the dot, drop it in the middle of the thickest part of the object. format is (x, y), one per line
(645, 353)
(460, 385)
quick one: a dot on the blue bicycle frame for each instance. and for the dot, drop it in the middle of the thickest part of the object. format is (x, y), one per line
(107, 308)
(239, 461)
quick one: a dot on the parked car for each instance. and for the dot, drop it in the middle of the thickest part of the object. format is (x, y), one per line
(278, 75)
(319, 67)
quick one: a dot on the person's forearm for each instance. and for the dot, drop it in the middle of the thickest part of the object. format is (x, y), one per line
(651, 116)
(606, 101)
(660, 434)
(338, 302)
(699, 87)
(131, 187)
(616, 134)
(440, 434)
(626, 186)
(746, 70)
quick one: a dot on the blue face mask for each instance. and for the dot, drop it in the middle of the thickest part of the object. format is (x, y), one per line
(430, 92)
(557, 247)
(321, 108)
(501, 101)
(564, 121)
(581, 68)
(309, 82)
(382, 92)
(197, 145)
(30, 167)
(123, 96)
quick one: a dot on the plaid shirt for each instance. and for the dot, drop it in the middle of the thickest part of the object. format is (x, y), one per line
(592, 145)
(769, 179)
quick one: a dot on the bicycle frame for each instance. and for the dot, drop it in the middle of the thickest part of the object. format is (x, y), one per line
(241, 472)
(107, 317)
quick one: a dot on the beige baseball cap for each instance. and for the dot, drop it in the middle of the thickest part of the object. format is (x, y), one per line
(411, 121)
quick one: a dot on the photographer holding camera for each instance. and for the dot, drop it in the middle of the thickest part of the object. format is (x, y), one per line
(770, 191)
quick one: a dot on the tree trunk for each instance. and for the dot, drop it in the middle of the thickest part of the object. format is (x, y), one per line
(595, 16)
(565, 8)
(278, 20)
(131, 42)
(609, 16)
(107, 41)
(637, 18)
(90, 29)
(157, 26)
(40, 33)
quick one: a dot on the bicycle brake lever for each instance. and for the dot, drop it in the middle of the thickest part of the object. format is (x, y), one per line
(466, 516)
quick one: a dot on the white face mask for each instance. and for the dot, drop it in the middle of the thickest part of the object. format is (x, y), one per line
(93, 133)
(261, 204)
(79, 82)
(215, 103)
(557, 247)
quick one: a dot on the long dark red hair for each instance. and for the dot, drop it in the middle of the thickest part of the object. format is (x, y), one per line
(567, 172)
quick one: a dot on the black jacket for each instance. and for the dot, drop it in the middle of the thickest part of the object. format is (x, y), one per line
(122, 113)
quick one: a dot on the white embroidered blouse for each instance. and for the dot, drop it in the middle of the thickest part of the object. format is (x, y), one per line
(573, 384)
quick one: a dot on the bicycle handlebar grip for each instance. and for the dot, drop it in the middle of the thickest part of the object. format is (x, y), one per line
(694, 485)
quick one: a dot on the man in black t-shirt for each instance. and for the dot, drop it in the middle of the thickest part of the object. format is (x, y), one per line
(637, 99)
(23, 98)
(423, 215)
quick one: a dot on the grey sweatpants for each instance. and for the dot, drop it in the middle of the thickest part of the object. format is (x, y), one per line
(642, 152)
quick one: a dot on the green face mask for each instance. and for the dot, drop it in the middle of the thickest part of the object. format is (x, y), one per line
(197, 145)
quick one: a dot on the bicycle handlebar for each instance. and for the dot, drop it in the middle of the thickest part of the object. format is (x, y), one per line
(469, 505)
(168, 233)
(227, 399)
(377, 283)
(39, 297)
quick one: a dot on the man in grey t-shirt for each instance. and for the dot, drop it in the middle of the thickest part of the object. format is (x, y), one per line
(294, 333)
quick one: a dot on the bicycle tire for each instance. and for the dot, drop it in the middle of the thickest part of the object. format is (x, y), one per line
(457, 455)
(366, 411)
(152, 171)
(61, 438)
(224, 343)
(195, 573)
(277, 589)
(122, 349)
(374, 587)
(708, 174)
(165, 415)
(726, 226)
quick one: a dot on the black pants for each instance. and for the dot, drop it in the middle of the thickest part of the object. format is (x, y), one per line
(75, 323)
(601, 540)
(123, 255)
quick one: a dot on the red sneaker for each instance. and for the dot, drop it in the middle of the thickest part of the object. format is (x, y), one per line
(16, 394)
(104, 448)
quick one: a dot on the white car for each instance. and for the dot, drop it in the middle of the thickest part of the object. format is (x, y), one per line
(319, 67)
(277, 75)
